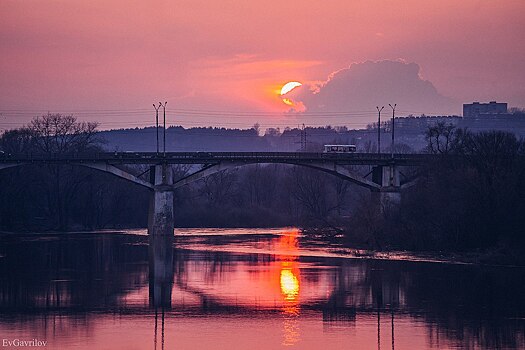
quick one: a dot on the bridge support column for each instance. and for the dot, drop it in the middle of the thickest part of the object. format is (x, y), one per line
(389, 199)
(160, 220)
(388, 178)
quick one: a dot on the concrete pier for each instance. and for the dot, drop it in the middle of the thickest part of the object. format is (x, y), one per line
(390, 192)
(160, 220)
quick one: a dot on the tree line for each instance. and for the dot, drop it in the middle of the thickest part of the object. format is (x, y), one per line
(469, 199)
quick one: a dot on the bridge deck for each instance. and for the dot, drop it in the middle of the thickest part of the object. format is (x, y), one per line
(215, 157)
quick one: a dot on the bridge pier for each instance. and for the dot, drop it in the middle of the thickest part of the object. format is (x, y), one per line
(389, 180)
(160, 219)
(389, 199)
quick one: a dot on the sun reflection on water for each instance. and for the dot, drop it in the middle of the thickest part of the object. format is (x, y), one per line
(290, 286)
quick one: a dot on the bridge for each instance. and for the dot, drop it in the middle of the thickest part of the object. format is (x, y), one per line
(384, 177)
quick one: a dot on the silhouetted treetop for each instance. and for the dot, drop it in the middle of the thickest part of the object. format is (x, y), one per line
(57, 133)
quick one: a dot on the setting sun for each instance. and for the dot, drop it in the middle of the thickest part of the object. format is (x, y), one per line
(289, 87)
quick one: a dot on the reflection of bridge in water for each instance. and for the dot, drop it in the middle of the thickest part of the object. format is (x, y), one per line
(384, 173)
(339, 308)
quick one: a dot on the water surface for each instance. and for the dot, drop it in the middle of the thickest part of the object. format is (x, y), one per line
(247, 289)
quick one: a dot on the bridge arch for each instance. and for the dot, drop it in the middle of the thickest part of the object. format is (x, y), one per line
(104, 167)
(333, 169)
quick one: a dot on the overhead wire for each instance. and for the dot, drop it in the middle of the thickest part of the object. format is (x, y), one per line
(193, 112)
(187, 117)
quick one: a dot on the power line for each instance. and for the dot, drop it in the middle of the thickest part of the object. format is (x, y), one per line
(192, 112)
(207, 111)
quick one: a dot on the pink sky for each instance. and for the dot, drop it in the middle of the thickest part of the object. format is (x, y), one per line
(87, 56)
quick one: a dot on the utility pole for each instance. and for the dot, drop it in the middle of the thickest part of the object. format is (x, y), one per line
(302, 131)
(393, 118)
(303, 139)
(164, 110)
(379, 128)
(157, 124)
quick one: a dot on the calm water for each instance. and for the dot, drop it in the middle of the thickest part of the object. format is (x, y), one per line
(247, 289)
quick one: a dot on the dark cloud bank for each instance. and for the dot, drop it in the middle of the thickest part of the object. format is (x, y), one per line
(363, 86)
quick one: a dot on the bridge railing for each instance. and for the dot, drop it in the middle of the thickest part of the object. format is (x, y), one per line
(197, 157)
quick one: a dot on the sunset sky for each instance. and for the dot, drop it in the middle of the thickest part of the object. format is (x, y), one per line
(224, 62)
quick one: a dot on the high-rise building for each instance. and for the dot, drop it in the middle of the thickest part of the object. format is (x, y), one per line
(476, 109)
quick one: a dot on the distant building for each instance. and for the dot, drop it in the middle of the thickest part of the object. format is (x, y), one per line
(419, 124)
(479, 117)
(472, 110)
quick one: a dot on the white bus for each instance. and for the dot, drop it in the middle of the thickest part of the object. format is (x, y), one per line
(339, 148)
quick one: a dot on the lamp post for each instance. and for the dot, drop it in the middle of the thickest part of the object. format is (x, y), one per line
(164, 110)
(157, 124)
(379, 128)
(393, 118)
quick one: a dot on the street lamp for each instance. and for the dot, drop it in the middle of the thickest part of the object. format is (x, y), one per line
(379, 129)
(157, 124)
(164, 110)
(393, 117)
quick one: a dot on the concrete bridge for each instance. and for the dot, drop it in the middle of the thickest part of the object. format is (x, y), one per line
(384, 177)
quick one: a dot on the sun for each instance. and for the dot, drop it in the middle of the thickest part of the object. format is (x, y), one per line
(287, 88)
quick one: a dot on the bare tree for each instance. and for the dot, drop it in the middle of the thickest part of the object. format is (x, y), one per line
(218, 187)
(308, 187)
(59, 134)
(62, 134)
(439, 137)
(17, 141)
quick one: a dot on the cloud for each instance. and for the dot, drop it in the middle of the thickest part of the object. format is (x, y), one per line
(363, 86)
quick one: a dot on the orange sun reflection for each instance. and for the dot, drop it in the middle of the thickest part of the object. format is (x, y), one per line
(289, 284)
(288, 247)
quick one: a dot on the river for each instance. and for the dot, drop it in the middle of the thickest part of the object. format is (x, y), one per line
(247, 289)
